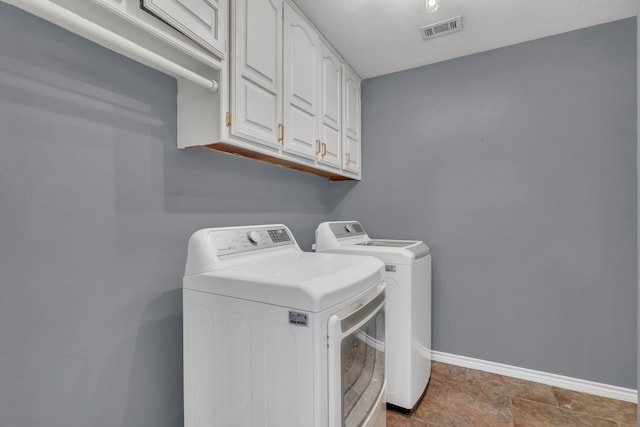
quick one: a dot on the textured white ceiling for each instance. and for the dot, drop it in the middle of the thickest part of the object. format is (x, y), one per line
(382, 36)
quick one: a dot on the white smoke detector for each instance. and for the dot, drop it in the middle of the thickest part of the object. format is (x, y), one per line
(442, 28)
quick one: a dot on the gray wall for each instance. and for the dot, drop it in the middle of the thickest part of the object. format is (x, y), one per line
(96, 207)
(518, 168)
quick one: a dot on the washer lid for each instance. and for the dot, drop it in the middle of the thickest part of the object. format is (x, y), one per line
(304, 281)
(410, 254)
(388, 243)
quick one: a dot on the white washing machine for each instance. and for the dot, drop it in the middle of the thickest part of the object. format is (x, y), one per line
(408, 279)
(276, 337)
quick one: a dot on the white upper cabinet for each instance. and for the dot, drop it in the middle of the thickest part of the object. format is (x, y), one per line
(256, 71)
(351, 121)
(301, 69)
(255, 78)
(203, 21)
(286, 96)
(330, 107)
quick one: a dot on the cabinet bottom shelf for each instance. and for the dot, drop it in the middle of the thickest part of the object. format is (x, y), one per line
(243, 152)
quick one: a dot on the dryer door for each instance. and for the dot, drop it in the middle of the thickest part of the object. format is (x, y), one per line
(356, 365)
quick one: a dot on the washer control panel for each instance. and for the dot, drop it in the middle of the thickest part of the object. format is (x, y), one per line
(347, 229)
(238, 240)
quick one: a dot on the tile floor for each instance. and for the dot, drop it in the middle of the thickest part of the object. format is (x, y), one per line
(460, 397)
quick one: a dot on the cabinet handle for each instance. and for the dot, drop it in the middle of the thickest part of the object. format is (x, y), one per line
(318, 145)
(324, 149)
(348, 159)
(281, 127)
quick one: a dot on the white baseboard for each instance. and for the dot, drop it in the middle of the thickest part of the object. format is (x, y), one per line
(576, 384)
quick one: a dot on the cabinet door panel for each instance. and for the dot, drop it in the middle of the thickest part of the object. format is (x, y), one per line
(262, 40)
(258, 113)
(201, 20)
(301, 133)
(352, 105)
(257, 74)
(330, 82)
(351, 123)
(330, 106)
(300, 85)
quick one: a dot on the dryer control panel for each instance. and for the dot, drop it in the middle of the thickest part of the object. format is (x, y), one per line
(232, 241)
(215, 248)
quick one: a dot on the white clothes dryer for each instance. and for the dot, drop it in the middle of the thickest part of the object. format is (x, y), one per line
(276, 337)
(408, 279)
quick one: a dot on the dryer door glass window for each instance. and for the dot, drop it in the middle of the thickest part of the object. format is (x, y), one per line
(362, 360)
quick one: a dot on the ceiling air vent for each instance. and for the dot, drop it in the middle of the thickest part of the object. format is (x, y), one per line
(441, 28)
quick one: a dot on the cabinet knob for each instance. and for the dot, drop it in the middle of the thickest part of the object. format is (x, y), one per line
(324, 149)
(348, 159)
(318, 146)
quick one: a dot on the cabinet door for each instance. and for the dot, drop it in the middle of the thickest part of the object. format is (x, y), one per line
(256, 75)
(330, 107)
(201, 20)
(351, 123)
(301, 69)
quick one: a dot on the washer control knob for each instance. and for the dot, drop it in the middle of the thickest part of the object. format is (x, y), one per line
(349, 228)
(254, 237)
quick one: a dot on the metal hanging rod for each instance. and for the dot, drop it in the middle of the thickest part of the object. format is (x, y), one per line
(73, 22)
